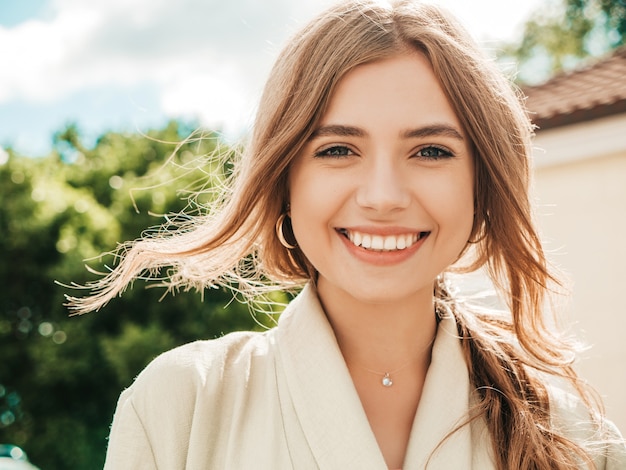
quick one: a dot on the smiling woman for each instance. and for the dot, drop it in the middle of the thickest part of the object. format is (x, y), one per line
(389, 162)
(387, 152)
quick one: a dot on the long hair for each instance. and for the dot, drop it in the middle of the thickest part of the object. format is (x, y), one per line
(234, 243)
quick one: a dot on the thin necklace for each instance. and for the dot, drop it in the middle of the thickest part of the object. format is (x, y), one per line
(386, 380)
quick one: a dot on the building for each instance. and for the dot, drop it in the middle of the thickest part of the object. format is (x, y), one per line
(580, 188)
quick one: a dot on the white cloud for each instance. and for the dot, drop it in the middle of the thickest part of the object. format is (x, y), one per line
(121, 42)
(215, 99)
(207, 58)
(36, 53)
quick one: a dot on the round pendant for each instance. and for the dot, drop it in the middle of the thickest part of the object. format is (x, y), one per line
(387, 382)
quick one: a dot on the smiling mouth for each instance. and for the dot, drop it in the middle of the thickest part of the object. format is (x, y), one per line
(382, 242)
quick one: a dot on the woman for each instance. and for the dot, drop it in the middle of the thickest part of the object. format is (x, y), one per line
(386, 152)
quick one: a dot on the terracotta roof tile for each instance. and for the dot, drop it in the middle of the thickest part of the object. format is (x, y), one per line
(588, 93)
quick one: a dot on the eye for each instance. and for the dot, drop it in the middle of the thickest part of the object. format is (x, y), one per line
(433, 152)
(334, 151)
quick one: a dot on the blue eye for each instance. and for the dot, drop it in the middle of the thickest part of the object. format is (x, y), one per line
(334, 151)
(433, 153)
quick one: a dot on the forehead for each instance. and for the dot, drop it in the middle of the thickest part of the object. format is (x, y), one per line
(398, 91)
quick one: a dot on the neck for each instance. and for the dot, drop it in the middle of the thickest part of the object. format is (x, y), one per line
(382, 336)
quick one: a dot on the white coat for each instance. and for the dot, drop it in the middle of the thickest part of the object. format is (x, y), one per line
(284, 399)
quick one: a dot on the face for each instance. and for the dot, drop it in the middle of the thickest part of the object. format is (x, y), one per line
(382, 193)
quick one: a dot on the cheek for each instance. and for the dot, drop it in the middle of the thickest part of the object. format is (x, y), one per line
(314, 192)
(306, 200)
(464, 204)
(450, 203)
(462, 213)
(316, 198)
(463, 192)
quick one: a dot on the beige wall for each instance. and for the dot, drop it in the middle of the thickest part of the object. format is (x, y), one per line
(580, 188)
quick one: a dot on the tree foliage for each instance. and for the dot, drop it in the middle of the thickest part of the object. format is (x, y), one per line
(561, 33)
(60, 376)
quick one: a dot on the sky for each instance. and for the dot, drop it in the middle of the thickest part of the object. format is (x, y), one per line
(127, 65)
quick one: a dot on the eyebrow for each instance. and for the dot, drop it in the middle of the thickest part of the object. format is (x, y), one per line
(434, 130)
(336, 130)
(440, 130)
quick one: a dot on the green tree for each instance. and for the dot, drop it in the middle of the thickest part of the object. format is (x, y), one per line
(562, 33)
(60, 376)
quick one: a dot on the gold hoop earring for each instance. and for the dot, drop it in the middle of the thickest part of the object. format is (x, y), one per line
(280, 232)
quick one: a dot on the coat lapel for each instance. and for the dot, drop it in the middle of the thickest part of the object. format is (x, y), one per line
(322, 403)
(443, 406)
(323, 396)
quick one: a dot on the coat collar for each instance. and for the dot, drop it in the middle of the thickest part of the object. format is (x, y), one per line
(329, 410)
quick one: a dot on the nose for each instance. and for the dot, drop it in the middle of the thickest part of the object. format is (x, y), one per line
(383, 187)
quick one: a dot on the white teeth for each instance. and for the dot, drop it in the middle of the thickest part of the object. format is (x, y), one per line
(382, 243)
(401, 244)
(377, 242)
(391, 244)
(366, 241)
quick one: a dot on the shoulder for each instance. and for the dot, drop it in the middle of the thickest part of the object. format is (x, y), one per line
(585, 425)
(569, 412)
(198, 387)
(199, 367)
(201, 357)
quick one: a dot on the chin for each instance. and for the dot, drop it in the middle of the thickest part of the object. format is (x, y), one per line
(389, 294)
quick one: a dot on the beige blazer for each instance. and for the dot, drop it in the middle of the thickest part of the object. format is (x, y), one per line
(284, 399)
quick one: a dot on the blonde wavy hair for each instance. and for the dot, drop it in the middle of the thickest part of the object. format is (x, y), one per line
(234, 242)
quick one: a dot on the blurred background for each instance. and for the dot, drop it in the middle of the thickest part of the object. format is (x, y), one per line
(94, 97)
